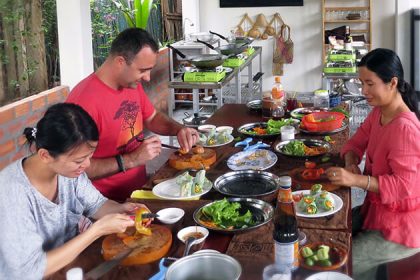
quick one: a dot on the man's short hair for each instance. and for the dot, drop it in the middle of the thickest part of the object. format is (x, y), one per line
(130, 41)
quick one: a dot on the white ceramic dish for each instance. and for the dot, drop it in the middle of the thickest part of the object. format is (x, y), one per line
(329, 275)
(169, 189)
(321, 213)
(170, 215)
(258, 159)
(188, 230)
(220, 129)
(230, 139)
(206, 128)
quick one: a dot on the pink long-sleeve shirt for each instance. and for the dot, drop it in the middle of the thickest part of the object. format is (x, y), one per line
(392, 156)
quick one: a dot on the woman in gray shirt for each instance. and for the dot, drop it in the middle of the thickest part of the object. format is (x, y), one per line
(46, 197)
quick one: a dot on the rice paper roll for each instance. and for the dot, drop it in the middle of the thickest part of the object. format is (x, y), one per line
(186, 188)
(305, 201)
(222, 137)
(311, 208)
(199, 181)
(202, 138)
(316, 189)
(211, 137)
(325, 201)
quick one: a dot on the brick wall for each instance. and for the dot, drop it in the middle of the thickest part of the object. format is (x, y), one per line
(16, 116)
(157, 89)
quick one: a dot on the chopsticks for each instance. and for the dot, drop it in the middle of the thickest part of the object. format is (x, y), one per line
(138, 139)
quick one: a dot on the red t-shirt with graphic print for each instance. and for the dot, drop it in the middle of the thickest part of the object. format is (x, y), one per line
(119, 115)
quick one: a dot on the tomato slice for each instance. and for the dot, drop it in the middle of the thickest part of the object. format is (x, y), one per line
(310, 164)
(310, 174)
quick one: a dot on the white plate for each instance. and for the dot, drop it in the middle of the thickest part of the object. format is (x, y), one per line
(321, 213)
(169, 189)
(329, 275)
(230, 139)
(241, 160)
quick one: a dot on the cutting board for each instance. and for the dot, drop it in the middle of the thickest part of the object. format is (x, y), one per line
(297, 179)
(192, 161)
(147, 248)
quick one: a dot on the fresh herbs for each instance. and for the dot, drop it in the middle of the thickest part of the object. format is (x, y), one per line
(226, 215)
(295, 148)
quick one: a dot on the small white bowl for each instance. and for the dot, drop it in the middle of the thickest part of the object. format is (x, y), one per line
(205, 251)
(206, 128)
(170, 215)
(220, 129)
(185, 232)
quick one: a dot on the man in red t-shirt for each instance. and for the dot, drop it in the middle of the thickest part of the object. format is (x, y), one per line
(115, 99)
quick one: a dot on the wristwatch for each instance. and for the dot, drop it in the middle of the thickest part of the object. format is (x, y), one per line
(120, 162)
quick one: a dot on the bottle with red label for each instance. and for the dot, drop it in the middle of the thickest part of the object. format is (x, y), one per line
(285, 234)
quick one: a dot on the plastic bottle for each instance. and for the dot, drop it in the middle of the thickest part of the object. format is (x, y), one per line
(321, 99)
(277, 94)
(277, 91)
(74, 274)
(285, 233)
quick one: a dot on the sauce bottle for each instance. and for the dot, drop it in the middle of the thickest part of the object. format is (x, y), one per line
(285, 234)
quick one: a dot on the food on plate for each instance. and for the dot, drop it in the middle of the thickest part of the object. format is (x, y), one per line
(320, 256)
(182, 151)
(317, 199)
(312, 174)
(271, 127)
(192, 185)
(226, 215)
(215, 137)
(298, 148)
(322, 121)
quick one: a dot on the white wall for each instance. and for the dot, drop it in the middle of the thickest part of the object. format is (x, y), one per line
(306, 23)
(403, 32)
(74, 40)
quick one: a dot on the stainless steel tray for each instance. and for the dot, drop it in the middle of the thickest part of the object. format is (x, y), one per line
(262, 212)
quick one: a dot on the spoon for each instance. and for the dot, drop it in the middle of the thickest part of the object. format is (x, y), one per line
(188, 244)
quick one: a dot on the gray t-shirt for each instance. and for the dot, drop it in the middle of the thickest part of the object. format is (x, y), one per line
(31, 225)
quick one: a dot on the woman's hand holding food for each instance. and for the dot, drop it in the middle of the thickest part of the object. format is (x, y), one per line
(111, 223)
(131, 208)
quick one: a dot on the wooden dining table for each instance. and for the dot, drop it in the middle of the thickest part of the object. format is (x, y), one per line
(253, 249)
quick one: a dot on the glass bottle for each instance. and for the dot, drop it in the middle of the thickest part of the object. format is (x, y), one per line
(347, 39)
(285, 234)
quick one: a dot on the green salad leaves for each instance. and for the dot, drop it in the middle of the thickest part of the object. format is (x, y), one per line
(296, 148)
(273, 126)
(225, 214)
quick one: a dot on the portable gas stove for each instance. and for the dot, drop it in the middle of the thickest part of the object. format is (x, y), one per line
(205, 75)
(234, 61)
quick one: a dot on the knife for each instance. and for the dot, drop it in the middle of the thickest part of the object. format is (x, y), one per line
(146, 216)
(106, 266)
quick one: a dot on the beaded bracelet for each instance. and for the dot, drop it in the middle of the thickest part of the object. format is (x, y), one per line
(368, 184)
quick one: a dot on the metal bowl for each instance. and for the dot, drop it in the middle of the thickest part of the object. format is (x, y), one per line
(205, 266)
(308, 142)
(254, 105)
(262, 212)
(247, 183)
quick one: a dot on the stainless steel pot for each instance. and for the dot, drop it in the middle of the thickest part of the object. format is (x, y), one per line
(195, 120)
(205, 266)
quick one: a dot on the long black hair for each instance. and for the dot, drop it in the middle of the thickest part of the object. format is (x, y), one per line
(130, 41)
(63, 127)
(387, 65)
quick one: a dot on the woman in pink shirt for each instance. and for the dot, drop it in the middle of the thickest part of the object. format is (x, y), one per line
(390, 137)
